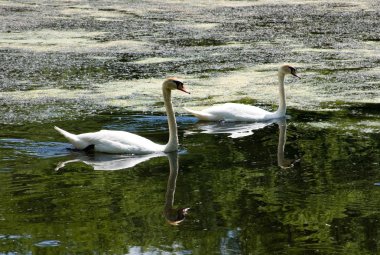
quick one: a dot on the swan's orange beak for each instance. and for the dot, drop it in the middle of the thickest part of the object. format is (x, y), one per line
(182, 88)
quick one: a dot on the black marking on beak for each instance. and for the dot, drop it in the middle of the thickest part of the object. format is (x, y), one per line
(178, 83)
(293, 71)
(180, 86)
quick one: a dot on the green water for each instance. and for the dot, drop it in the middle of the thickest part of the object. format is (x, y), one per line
(244, 197)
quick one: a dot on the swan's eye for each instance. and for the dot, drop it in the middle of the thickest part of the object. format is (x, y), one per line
(178, 83)
(180, 86)
(293, 71)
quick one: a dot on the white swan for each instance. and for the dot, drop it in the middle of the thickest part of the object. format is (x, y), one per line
(110, 141)
(241, 112)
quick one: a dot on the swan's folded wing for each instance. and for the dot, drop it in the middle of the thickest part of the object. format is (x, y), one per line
(202, 115)
(108, 146)
(110, 141)
(237, 112)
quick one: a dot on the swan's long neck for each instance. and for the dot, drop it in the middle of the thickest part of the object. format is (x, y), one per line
(282, 104)
(172, 144)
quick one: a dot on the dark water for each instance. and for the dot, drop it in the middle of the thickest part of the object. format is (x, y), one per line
(305, 185)
(248, 195)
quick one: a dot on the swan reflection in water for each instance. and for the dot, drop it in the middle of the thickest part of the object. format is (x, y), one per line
(281, 160)
(111, 162)
(173, 215)
(108, 162)
(236, 130)
(239, 130)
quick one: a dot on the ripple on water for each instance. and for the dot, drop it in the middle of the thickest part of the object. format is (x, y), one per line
(14, 237)
(37, 149)
(145, 123)
(48, 243)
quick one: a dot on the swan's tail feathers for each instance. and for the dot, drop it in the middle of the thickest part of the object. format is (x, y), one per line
(200, 114)
(73, 139)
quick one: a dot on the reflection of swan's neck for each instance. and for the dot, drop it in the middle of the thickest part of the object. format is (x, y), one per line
(173, 216)
(170, 189)
(282, 104)
(172, 144)
(281, 143)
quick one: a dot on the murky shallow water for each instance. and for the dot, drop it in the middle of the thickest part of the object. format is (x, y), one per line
(306, 186)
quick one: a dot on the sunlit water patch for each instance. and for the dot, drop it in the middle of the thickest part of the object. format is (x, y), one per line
(204, 26)
(48, 40)
(68, 41)
(154, 60)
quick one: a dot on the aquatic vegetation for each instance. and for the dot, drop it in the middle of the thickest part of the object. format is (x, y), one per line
(92, 65)
(246, 100)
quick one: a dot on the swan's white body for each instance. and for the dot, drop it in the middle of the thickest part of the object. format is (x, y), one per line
(241, 112)
(235, 112)
(110, 141)
(119, 142)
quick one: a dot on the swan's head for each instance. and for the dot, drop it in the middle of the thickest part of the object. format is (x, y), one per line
(174, 83)
(286, 69)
